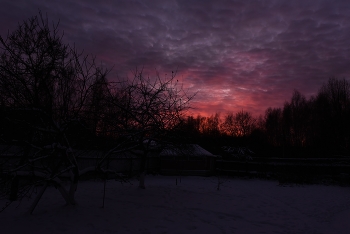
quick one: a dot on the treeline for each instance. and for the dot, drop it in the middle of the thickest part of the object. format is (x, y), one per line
(318, 126)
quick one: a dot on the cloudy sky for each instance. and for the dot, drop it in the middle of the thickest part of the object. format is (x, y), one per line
(237, 54)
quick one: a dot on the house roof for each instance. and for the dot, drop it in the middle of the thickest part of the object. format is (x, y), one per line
(186, 150)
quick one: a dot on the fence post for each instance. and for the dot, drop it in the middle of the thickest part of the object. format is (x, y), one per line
(130, 169)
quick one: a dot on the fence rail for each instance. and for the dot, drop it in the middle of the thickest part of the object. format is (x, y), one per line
(288, 169)
(127, 165)
(262, 167)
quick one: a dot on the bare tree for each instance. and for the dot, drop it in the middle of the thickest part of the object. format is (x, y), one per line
(332, 114)
(228, 125)
(273, 126)
(296, 118)
(97, 105)
(145, 112)
(191, 126)
(44, 87)
(210, 126)
(240, 124)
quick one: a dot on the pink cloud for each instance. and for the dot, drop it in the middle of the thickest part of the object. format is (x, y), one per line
(235, 54)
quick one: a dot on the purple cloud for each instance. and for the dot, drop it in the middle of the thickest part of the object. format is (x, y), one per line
(237, 54)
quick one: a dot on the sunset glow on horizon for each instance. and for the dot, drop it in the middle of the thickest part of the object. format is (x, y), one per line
(235, 55)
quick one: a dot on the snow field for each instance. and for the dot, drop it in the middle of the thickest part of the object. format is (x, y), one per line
(192, 206)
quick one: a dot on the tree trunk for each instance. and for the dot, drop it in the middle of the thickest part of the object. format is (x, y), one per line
(143, 171)
(71, 195)
(142, 180)
(37, 199)
(74, 185)
(68, 196)
(14, 189)
(64, 193)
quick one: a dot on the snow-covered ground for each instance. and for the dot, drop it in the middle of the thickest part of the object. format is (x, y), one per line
(192, 206)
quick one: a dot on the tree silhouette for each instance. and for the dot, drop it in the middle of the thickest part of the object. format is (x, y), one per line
(147, 112)
(273, 126)
(332, 110)
(244, 123)
(228, 125)
(44, 85)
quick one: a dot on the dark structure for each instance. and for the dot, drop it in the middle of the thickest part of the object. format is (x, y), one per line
(187, 160)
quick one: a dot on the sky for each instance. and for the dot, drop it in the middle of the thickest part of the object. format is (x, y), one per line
(236, 55)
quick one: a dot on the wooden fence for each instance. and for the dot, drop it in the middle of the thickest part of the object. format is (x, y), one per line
(293, 169)
(127, 165)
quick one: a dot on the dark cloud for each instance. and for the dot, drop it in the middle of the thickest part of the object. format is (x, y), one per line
(238, 54)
